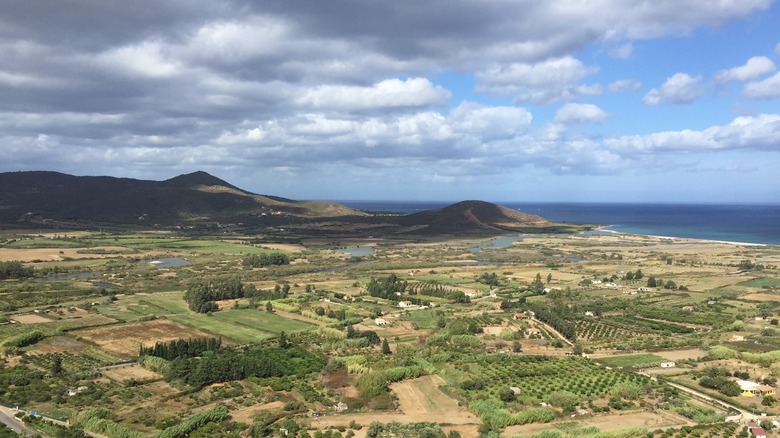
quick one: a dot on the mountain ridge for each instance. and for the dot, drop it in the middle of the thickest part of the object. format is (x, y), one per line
(37, 198)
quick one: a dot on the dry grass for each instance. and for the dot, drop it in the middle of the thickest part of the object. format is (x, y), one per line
(126, 339)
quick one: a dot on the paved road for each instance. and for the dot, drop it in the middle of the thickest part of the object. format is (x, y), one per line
(7, 418)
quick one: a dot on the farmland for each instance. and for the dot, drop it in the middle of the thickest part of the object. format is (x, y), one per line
(508, 341)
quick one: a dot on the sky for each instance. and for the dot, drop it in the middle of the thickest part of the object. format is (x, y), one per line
(440, 100)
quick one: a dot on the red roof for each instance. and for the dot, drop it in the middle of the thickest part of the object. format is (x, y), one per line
(758, 431)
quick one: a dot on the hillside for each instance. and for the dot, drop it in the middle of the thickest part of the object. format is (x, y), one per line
(470, 217)
(34, 197)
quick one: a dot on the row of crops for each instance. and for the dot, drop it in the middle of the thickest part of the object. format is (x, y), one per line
(716, 430)
(71, 363)
(538, 376)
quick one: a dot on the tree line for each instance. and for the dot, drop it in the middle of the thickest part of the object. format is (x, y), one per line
(181, 348)
(234, 364)
(264, 260)
(554, 317)
(14, 269)
(202, 293)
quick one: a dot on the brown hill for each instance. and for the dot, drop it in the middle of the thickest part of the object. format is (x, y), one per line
(470, 217)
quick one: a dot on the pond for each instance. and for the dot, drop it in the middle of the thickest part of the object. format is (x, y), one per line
(170, 262)
(498, 243)
(80, 276)
(357, 251)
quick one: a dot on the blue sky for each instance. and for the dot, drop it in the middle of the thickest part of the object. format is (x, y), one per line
(514, 100)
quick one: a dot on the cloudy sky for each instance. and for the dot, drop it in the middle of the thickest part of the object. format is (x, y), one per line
(504, 100)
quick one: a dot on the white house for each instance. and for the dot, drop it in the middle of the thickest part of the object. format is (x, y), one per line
(669, 364)
(645, 289)
(380, 321)
(404, 304)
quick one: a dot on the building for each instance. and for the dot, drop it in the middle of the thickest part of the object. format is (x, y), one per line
(520, 316)
(380, 321)
(533, 331)
(667, 364)
(753, 389)
(758, 432)
(404, 304)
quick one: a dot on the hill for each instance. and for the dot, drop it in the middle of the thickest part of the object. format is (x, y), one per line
(45, 197)
(470, 217)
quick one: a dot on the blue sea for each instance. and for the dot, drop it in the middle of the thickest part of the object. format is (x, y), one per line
(748, 223)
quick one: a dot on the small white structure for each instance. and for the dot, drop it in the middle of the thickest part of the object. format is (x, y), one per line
(470, 294)
(645, 289)
(380, 321)
(404, 304)
(737, 338)
(669, 364)
(589, 313)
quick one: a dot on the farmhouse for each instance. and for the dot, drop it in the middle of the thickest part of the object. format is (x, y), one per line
(380, 321)
(645, 289)
(669, 364)
(533, 331)
(758, 432)
(753, 389)
(520, 316)
(404, 304)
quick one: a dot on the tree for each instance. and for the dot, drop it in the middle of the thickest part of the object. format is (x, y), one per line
(769, 400)
(385, 347)
(56, 366)
(549, 278)
(269, 307)
(283, 339)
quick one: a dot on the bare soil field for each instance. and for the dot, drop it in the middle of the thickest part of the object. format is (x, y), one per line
(761, 297)
(59, 344)
(31, 319)
(247, 414)
(649, 420)
(126, 339)
(54, 254)
(418, 399)
(124, 373)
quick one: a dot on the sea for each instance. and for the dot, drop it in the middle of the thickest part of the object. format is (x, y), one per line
(743, 223)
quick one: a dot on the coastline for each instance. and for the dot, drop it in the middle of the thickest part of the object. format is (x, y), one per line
(604, 229)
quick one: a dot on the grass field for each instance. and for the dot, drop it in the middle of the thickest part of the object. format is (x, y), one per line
(241, 325)
(633, 360)
(761, 282)
(244, 325)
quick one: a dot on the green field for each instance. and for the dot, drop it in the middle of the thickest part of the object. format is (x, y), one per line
(761, 282)
(633, 360)
(244, 325)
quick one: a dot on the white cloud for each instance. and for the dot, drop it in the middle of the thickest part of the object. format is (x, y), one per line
(753, 68)
(769, 88)
(489, 122)
(624, 85)
(580, 112)
(544, 82)
(147, 59)
(679, 88)
(391, 93)
(623, 51)
(755, 133)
